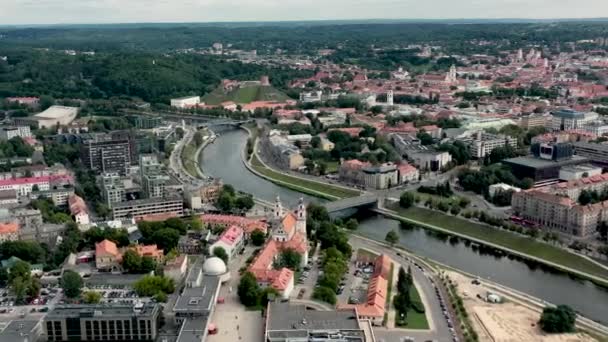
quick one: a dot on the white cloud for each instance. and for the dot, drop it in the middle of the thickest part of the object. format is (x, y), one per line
(111, 11)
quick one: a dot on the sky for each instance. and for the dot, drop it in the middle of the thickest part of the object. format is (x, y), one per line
(19, 12)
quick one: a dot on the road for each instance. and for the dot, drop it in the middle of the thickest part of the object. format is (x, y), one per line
(438, 326)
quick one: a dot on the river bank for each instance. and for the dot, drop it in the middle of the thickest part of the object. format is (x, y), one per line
(224, 159)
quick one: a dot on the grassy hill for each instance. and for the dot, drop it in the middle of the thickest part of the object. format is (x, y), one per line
(245, 94)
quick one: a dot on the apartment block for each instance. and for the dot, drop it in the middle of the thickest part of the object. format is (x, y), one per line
(150, 206)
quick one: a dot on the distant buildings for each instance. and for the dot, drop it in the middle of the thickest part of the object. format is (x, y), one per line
(28, 101)
(283, 153)
(113, 322)
(138, 208)
(556, 207)
(595, 152)
(52, 117)
(546, 161)
(25, 185)
(78, 209)
(9, 132)
(9, 231)
(481, 143)
(566, 119)
(426, 158)
(108, 153)
(108, 256)
(381, 176)
(186, 102)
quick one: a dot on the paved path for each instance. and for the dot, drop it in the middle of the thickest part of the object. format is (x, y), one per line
(234, 321)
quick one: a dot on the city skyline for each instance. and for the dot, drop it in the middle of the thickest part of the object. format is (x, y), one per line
(28, 12)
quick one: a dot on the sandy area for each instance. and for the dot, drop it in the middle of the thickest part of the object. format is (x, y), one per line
(506, 322)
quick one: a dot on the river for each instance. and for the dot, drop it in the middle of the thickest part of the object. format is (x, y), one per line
(223, 159)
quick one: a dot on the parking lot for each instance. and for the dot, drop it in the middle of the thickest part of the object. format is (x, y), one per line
(353, 288)
(116, 294)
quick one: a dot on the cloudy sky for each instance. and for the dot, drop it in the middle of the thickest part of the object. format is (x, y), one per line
(126, 11)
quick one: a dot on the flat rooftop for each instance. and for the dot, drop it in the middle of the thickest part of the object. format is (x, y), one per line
(17, 330)
(106, 310)
(193, 329)
(290, 321)
(538, 163)
(54, 112)
(198, 299)
(146, 201)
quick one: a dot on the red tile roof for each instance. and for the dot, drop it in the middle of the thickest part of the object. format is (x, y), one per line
(106, 247)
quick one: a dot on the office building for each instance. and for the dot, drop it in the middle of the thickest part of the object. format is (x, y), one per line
(567, 119)
(283, 153)
(287, 322)
(481, 144)
(147, 122)
(546, 161)
(113, 188)
(426, 158)
(231, 240)
(9, 132)
(535, 120)
(106, 153)
(110, 322)
(572, 172)
(380, 176)
(152, 176)
(597, 153)
(150, 206)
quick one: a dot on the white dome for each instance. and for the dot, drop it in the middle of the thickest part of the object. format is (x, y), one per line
(214, 266)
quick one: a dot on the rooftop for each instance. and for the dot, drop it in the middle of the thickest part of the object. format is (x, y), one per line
(542, 163)
(18, 330)
(55, 112)
(101, 310)
(285, 319)
(198, 299)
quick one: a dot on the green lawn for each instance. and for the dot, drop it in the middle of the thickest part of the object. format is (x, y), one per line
(189, 159)
(414, 320)
(245, 95)
(303, 185)
(430, 218)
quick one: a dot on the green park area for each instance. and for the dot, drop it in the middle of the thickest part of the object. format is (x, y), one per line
(189, 159)
(313, 188)
(245, 94)
(415, 319)
(439, 221)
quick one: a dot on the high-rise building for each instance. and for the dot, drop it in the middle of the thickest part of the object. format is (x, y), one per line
(107, 153)
(114, 322)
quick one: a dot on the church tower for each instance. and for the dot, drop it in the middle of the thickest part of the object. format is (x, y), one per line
(390, 98)
(301, 217)
(279, 212)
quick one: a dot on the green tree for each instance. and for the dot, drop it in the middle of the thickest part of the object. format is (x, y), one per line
(46, 101)
(248, 290)
(150, 285)
(225, 202)
(244, 202)
(91, 297)
(131, 261)
(315, 142)
(407, 199)
(258, 237)
(391, 237)
(166, 238)
(20, 269)
(325, 294)
(196, 224)
(220, 252)
(352, 224)
(72, 283)
(19, 287)
(560, 319)
(147, 264)
(289, 258)
(3, 276)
